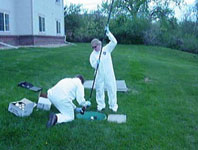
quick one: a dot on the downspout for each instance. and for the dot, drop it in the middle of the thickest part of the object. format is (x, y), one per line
(64, 22)
(32, 25)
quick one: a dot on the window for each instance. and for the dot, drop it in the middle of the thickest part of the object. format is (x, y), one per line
(41, 24)
(4, 22)
(58, 27)
(1, 22)
(7, 22)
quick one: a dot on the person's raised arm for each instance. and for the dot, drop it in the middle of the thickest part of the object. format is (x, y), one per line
(113, 42)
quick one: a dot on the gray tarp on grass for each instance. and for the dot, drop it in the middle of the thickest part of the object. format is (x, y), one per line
(121, 85)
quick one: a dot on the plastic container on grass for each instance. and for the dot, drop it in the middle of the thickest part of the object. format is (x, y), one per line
(21, 108)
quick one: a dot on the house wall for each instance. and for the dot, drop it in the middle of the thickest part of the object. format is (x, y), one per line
(23, 10)
(51, 11)
(24, 22)
(9, 7)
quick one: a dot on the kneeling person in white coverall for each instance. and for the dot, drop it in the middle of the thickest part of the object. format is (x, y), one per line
(105, 77)
(62, 95)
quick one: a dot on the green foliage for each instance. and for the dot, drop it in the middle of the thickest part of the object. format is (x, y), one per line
(83, 28)
(190, 43)
(128, 30)
(161, 104)
(133, 23)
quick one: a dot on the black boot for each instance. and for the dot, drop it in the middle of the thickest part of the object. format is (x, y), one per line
(52, 120)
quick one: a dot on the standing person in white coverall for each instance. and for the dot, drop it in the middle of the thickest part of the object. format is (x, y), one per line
(105, 77)
(62, 95)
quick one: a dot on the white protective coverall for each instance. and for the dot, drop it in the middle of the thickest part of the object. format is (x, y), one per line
(62, 95)
(105, 77)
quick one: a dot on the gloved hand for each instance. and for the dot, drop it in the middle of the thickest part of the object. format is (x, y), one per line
(107, 29)
(88, 104)
(79, 110)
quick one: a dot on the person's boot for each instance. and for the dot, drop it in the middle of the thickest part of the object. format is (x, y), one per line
(52, 120)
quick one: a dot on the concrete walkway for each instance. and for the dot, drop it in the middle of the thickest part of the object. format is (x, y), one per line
(4, 47)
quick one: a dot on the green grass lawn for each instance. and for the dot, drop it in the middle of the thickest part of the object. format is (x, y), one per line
(161, 105)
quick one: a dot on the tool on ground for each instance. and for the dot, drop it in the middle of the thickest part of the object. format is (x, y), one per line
(29, 86)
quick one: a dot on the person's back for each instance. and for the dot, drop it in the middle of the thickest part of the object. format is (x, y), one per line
(62, 95)
(65, 88)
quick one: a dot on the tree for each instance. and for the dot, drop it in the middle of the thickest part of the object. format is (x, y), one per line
(195, 10)
(72, 19)
(126, 7)
(135, 8)
(81, 26)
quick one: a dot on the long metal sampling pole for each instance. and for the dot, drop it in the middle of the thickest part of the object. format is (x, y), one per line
(101, 51)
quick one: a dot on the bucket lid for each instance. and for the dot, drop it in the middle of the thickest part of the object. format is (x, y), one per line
(91, 115)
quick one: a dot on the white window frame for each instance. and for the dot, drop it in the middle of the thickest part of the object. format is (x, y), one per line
(6, 25)
(42, 27)
(58, 27)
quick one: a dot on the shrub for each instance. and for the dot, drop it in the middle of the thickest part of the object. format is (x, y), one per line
(190, 44)
(129, 31)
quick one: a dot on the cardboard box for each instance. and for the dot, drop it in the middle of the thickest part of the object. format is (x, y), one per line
(44, 103)
(21, 108)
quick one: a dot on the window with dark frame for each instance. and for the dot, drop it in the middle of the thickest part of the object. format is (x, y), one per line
(41, 24)
(58, 27)
(4, 22)
(1, 22)
(7, 28)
